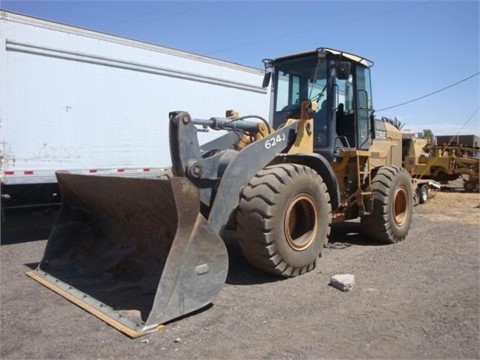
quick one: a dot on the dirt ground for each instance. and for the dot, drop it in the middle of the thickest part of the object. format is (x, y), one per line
(418, 299)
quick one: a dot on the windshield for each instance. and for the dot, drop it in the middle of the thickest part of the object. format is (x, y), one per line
(298, 80)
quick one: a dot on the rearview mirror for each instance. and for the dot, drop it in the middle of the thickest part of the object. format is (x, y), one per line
(266, 79)
(343, 70)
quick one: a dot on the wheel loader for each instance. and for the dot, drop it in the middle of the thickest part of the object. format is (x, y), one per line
(139, 253)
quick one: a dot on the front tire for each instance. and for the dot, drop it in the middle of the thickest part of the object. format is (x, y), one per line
(284, 219)
(391, 217)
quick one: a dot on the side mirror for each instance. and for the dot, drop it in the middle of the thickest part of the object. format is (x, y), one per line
(343, 70)
(268, 63)
(266, 79)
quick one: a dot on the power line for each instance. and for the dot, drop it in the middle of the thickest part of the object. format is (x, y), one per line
(466, 122)
(430, 94)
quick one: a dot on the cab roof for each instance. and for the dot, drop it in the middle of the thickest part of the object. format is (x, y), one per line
(349, 56)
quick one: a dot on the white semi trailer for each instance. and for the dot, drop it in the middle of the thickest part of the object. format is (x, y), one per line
(88, 102)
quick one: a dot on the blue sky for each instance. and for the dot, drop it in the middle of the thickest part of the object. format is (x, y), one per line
(419, 47)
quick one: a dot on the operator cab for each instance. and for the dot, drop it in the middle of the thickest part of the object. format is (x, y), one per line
(339, 83)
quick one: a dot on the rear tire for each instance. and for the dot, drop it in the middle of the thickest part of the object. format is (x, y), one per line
(391, 217)
(284, 219)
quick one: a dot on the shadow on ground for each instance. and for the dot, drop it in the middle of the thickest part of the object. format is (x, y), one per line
(242, 273)
(24, 225)
(348, 233)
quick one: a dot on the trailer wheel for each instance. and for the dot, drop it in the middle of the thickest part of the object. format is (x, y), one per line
(470, 186)
(391, 217)
(284, 219)
(423, 194)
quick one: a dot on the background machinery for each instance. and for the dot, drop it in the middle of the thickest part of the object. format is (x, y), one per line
(442, 163)
(141, 252)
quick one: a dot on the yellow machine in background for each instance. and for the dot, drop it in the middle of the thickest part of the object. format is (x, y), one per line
(442, 163)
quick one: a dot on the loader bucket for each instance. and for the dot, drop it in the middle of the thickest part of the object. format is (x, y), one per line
(135, 252)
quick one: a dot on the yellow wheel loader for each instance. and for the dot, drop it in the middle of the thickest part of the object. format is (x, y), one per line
(141, 252)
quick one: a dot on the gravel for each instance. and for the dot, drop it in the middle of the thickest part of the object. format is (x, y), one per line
(418, 299)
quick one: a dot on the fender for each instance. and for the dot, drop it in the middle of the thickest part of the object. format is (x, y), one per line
(322, 167)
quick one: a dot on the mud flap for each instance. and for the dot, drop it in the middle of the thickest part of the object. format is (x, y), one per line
(137, 253)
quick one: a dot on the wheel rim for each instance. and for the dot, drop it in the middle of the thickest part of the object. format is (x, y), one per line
(301, 222)
(400, 206)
